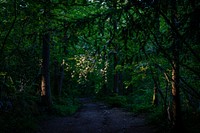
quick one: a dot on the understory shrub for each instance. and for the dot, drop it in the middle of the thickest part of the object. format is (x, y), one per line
(116, 101)
(65, 106)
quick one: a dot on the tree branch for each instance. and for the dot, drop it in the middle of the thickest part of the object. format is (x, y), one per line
(9, 31)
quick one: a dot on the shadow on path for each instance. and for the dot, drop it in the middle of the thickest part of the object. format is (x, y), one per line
(95, 117)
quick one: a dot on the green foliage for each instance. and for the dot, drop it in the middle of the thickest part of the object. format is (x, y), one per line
(64, 110)
(156, 116)
(116, 101)
(139, 108)
(65, 106)
(139, 101)
(97, 40)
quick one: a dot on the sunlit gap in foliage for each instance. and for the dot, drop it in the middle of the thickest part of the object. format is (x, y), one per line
(86, 65)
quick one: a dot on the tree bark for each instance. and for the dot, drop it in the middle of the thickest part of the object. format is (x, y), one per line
(56, 78)
(115, 89)
(155, 93)
(176, 108)
(45, 83)
(114, 19)
(61, 78)
(104, 82)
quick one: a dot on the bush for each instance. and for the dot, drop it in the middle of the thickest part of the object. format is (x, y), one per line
(64, 110)
(139, 108)
(116, 101)
(65, 106)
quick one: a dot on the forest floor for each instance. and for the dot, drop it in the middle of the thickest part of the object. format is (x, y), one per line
(96, 117)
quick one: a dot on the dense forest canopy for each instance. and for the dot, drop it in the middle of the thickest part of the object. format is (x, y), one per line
(143, 52)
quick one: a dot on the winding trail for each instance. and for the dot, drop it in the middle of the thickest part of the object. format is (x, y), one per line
(96, 117)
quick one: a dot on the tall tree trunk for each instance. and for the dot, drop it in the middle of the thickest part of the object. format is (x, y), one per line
(155, 77)
(115, 89)
(61, 78)
(176, 108)
(104, 86)
(114, 19)
(155, 92)
(120, 83)
(176, 94)
(167, 88)
(56, 78)
(45, 83)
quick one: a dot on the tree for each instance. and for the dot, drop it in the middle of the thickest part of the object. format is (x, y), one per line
(45, 81)
(176, 107)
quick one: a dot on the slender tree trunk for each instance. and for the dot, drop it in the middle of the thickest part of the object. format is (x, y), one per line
(114, 18)
(61, 78)
(167, 88)
(176, 96)
(45, 83)
(155, 93)
(104, 87)
(56, 78)
(176, 108)
(115, 89)
(156, 87)
(155, 77)
(120, 83)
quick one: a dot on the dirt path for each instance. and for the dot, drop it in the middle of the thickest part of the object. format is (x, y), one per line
(97, 118)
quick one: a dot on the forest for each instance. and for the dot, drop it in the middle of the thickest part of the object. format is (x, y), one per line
(140, 55)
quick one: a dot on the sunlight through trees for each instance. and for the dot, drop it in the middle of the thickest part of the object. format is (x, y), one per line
(138, 54)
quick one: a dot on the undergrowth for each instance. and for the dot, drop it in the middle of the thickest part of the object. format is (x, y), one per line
(19, 114)
(25, 112)
(65, 106)
(137, 102)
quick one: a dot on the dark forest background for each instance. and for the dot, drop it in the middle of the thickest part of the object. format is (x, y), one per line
(142, 55)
